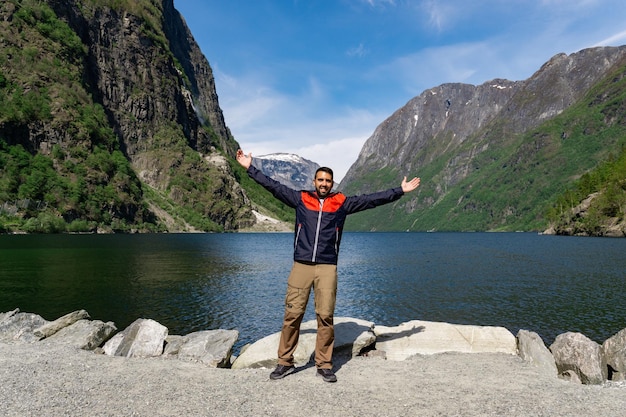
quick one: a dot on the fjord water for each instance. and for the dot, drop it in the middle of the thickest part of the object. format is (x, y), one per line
(192, 282)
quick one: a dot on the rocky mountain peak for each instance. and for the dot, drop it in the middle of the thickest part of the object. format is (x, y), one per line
(442, 118)
(288, 169)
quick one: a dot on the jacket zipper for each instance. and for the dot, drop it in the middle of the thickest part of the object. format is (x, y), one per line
(317, 231)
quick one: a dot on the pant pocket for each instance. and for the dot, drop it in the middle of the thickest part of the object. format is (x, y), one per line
(296, 299)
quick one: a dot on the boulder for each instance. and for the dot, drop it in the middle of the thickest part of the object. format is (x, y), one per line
(52, 327)
(426, 338)
(142, 338)
(112, 344)
(576, 352)
(350, 333)
(84, 334)
(8, 314)
(570, 376)
(614, 352)
(210, 347)
(173, 343)
(532, 349)
(19, 327)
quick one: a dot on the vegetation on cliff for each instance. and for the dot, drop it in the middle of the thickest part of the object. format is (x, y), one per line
(515, 180)
(76, 185)
(596, 204)
(109, 121)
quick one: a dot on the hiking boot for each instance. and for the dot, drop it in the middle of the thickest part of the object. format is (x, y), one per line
(327, 374)
(281, 371)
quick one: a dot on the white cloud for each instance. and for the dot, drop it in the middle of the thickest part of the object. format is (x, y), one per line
(380, 3)
(358, 51)
(615, 39)
(334, 141)
(472, 63)
(264, 120)
(338, 154)
(440, 15)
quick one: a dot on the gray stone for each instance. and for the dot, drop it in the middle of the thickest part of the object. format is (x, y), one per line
(570, 376)
(142, 338)
(349, 334)
(84, 334)
(112, 344)
(364, 340)
(8, 314)
(210, 347)
(380, 354)
(16, 326)
(576, 352)
(172, 344)
(614, 351)
(532, 349)
(426, 338)
(52, 327)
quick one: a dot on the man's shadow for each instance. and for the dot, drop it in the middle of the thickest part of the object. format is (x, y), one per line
(343, 353)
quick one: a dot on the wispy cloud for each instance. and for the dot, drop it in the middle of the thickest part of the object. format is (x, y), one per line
(616, 39)
(439, 14)
(379, 3)
(358, 51)
(265, 120)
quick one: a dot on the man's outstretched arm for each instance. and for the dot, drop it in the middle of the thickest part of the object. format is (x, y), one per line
(410, 185)
(367, 201)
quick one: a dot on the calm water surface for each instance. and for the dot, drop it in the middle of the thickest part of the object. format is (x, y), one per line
(191, 282)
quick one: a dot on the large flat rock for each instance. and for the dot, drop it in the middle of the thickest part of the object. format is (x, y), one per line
(427, 338)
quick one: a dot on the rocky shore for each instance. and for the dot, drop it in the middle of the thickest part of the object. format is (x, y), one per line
(425, 368)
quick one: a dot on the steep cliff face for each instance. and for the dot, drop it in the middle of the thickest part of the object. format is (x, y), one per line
(201, 84)
(145, 68)
(138, 62)
(461, 137)
(429, 126)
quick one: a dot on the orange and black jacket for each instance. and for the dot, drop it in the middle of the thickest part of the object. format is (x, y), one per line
(319, 222)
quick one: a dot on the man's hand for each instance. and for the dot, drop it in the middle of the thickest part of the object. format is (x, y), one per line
(411, 185)
(243, 159)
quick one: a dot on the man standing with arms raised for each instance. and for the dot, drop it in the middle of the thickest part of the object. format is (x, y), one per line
(320, 215)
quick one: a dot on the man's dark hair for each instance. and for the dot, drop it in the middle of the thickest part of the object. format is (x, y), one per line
(326, 170)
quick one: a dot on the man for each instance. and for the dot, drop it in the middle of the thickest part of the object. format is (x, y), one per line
(320, 216)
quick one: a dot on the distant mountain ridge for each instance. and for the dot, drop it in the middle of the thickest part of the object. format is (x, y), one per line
(288, 169)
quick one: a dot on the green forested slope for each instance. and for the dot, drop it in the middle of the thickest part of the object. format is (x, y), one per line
(514, 185)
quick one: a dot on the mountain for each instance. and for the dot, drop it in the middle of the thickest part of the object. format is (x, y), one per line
(109, 120)
(288, 169)
(495, 156)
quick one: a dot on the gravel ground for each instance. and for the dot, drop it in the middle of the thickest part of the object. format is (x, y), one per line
(51, 380)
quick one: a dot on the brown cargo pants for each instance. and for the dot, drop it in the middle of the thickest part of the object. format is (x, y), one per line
(323, 279)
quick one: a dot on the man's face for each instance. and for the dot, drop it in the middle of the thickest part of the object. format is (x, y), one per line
(323, 183)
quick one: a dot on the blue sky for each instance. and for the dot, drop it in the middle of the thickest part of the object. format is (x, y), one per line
(315, 77)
